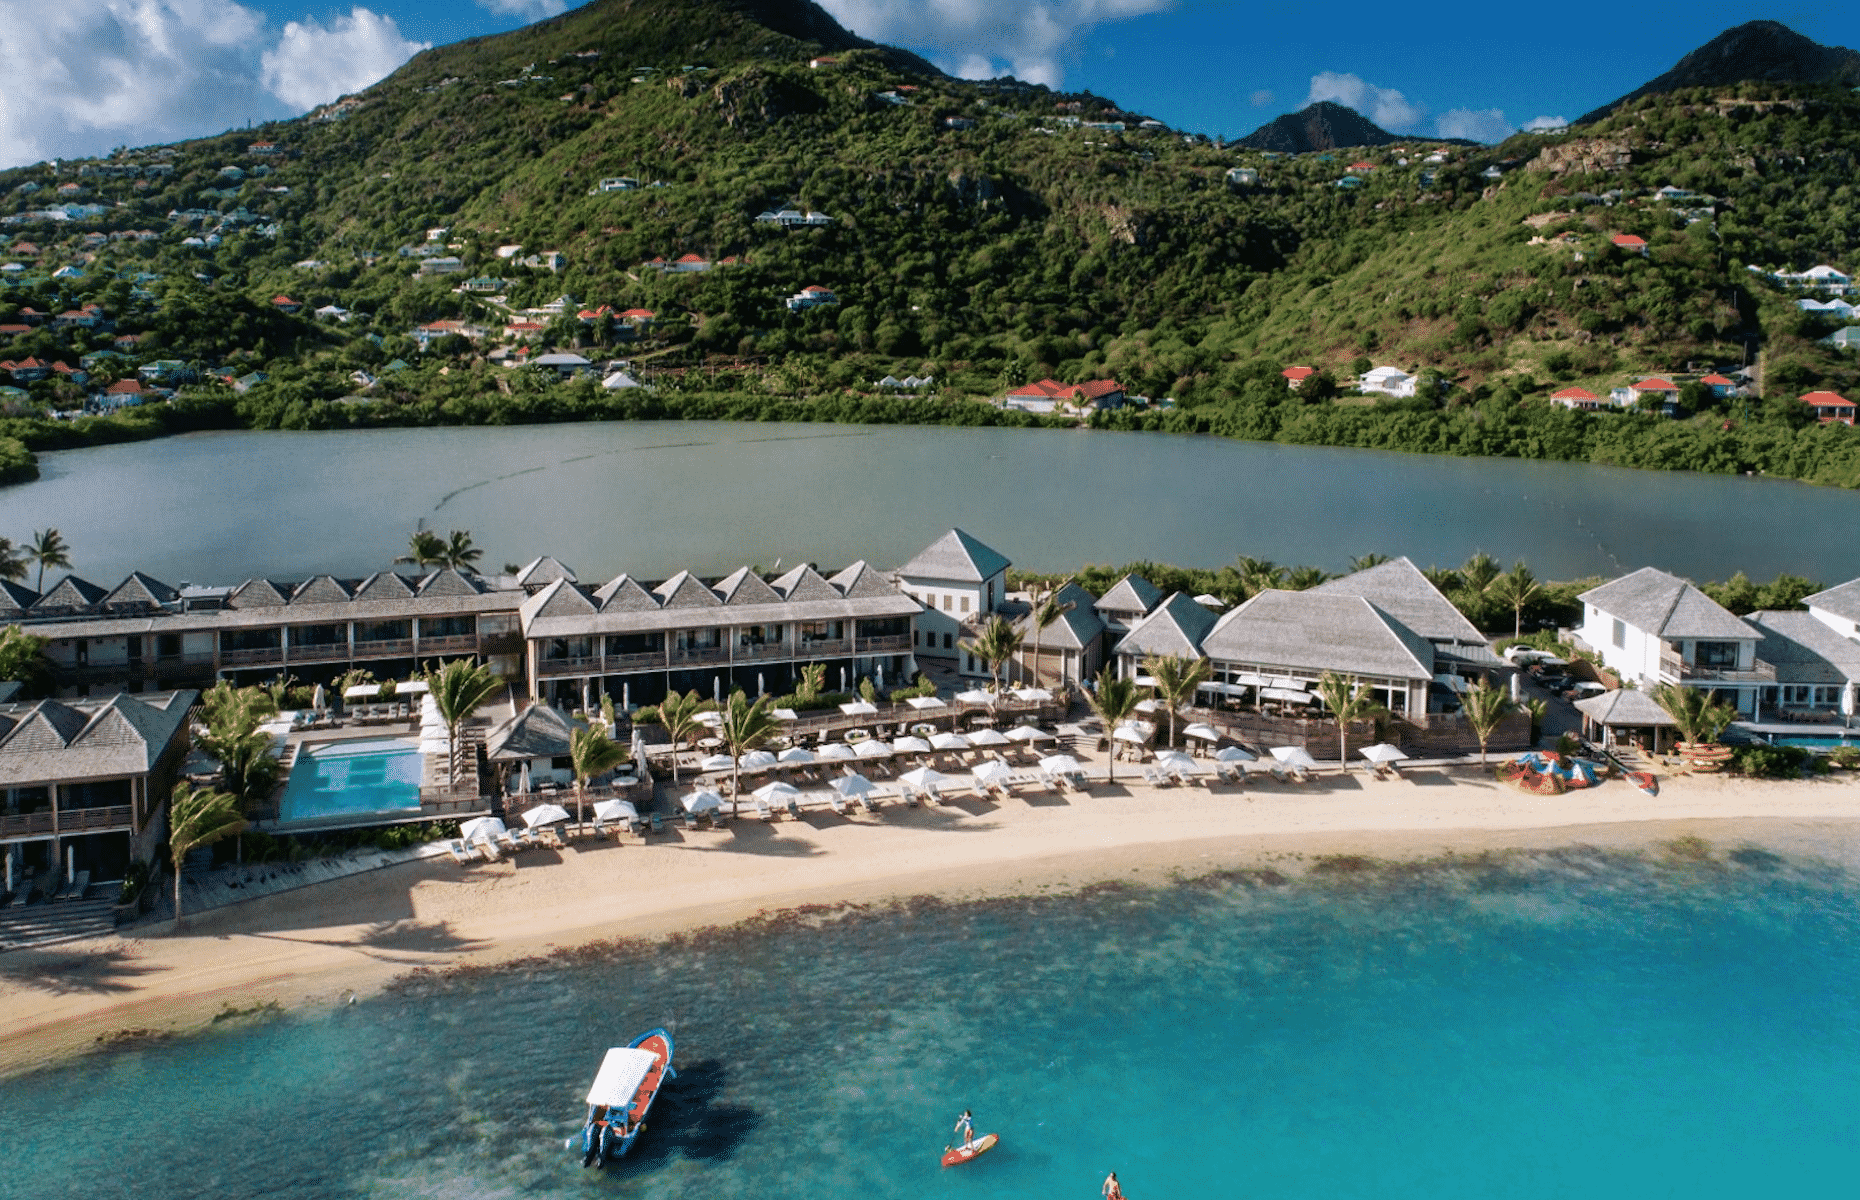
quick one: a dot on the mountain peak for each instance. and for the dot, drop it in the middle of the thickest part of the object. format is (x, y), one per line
(1762, 51)
(1320, 126)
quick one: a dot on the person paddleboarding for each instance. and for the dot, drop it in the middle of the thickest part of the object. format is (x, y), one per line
(965, 1128)
(1112, 1190)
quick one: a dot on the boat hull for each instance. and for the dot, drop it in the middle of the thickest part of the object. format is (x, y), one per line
(612, 1129)
(956, 1156)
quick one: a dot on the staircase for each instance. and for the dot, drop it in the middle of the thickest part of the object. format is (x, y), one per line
(50, 924)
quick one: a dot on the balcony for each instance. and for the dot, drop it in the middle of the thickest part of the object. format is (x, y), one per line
(499, 643)
(1674, 670)
(590, 665)
(823, 648)
(684, 658)
(73, 820)
(465, 643)
(239, 658)
(891, 644)
(319, 652)
(386, 648)
(764, 652)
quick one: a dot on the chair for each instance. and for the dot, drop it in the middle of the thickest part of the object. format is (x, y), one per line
(762, 809)
(838, 802)
(459, 854)
(658, 823)
(690, 819)
(718, 816)
(794, 808)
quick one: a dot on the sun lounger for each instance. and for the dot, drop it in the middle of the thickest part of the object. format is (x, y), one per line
(762, 809)
(457, 849)
(910, 798)
(658, 823)
(690, 820)
(718, 816)
(794, 808)
(487, 849)
(1278, 773)
(868, 801)
(838, 802)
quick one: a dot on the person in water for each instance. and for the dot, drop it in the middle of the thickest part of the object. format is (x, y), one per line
(1111, 1189)
(965, 1125)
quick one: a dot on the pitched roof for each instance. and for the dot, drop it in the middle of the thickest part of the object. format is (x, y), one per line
(559, 599)
(1655, 384)
(1398, 588)
(1827, 400)
(1176, 627)
(1574, 393)
(805, 583)
(539, 571)
(685, 590)
(862, 579)
(539, 731)
(1131, 594)
(1299, 372)
(321, 589)
(1843, 600)
(623, 594)
(257, 593)
(448, 581)
(1074, 629)
(55, 741)
(384, 585)
(71, 592)
(1312, 632)
(1803, 650)
(1628, 239)
(141, 591)
(956, 556)
(1624, 706)
(744, 586)
(1665, 606)
(15, 597)
(1718, 381)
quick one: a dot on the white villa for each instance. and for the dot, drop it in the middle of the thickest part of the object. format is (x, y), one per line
(1386, 381)
(1652, 628)
(959, 581)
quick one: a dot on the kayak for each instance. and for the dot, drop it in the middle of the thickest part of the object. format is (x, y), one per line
(957, 1155)
(1645, 781)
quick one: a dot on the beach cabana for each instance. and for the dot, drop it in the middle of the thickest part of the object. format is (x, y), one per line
(539, 739)
(989, 737)
(949, 741)
(1030, 734)
(1627, 717)
(872, 748)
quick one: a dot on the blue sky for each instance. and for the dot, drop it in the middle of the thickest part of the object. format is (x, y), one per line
(83, 76)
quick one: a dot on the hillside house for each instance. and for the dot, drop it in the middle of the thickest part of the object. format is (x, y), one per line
(565, 365)
(813, 296)
(968, 123)
(548, 260)
(689, 264)
(1049, 396)
(1664, 391)
(1630, 243)
(1580, 399)
(485, 285)
(433, 331)
(27, 370)
(1349, 183)
(1834, 310)
(1387, 381)
(1720, 386)
(286, 305)
(618, 183)
(1821, 278)
(639, 318)
(1843, 339)
(1243, 176)
(825, 62)
(1830, 407)
(1295, 376)
(444, 264)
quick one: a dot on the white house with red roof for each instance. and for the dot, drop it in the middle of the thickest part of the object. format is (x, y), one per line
(1050, 395)
(286, 305)
(1630, 396)
(1720, 385)
(689, 264)
(1580, 399)
(812, 296)
(1830, 407)
(1295, 376)
(638, 316)
(1631, 243)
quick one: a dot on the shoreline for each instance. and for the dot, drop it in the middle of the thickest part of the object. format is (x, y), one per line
(322, 944)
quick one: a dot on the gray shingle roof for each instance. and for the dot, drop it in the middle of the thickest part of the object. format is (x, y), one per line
(860, 579)
(958, 557)
(384, 585)
(16, 597)
(321, 589)
(1398, 588)
(258, 593)
(71, 592)
(1803, 650)
(685, 590)
(60, 742)
(563, 610)
(622, 594)
(1176, 627)
(140, 591)
(805, 583)
(1132, 595)
(744, 586)
(539, 731)
(1842, 600)
(539, 571)
(1625, 706)
(1665, 606)
(1310, 633)
(1075, 629)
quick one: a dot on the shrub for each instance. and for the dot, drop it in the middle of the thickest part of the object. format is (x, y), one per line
(1770, 762)
(1845, 756)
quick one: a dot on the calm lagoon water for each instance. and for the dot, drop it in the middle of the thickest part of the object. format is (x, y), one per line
(1538, 1028)
(652, 498)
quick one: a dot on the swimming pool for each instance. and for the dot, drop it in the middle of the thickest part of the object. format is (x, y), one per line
(344, 779)
(1823, 741)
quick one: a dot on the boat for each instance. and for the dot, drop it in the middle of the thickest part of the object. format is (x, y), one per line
(1645, 781)
(624, 1088)
(954, 1156)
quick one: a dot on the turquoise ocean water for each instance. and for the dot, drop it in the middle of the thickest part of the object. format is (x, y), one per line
(1571, 1024)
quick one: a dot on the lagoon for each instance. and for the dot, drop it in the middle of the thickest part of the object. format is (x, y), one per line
(650, 498)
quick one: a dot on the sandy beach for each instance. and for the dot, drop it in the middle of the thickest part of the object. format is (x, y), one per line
(317, 945)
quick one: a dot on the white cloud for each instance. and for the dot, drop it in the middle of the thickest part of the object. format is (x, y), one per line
(529, 10)
(1478, 125)
(313, 65)
(82, 76)
(1262, 98)
(983, 38)
(1385, 106)
(1545, 123)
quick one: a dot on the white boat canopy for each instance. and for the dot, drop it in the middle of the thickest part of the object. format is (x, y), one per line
(621, 1073)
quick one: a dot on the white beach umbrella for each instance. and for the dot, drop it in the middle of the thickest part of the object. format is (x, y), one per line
(705, 801)
(989, 737)
(1030, 733)
(1382, 752)
(1294, 756)
(758, 760)
(924, 777)
(776, 792)
(1232, 754)
(613, 810)
(481, 829)
(1147, 706)
(357, 690)
(795, 756)
(1130, 733)
(545, 814)
(1060, 764)
(1202, 733)
(836, 752)
(975, 696)
(1034, 695)
(991, 771)
(413, 687)
(319, 699)
(716, 762)
(712, 719)
(853, 785)
(1175, 760)
(949, 741)
(925, 703)
(784, 714)
(859, 708)
(872, 748)
(911, 745)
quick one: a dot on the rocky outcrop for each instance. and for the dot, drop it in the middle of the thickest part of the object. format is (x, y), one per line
(1584, 156)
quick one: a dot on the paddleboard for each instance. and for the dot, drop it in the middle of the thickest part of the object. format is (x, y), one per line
(962, 1154)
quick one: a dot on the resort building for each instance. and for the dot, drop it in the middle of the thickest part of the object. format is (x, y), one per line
(1173, 629)
(1130, 600)
(1280, 644)
(1398, 588)
(1068, 650)
(1652, 628)
(959, 582)
(636, 641)
(84, 782)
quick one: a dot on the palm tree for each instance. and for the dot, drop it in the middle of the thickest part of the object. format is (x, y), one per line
(197, 818)
(248, 769)
(424, 549)
(1479, 572)
(1445, 578)
(1348, 701)
(1303, 579)
(678, 717)
(460, 554)
(1363, 562)
(1485, 706)
(49, 549)
(1176, 681)
(1113, 699)
(1047, 608)
(593, 753)
(1258, 574)
(747, 725)
(1699, 717)
(12, 560)
(1516, 589)
(458, 688)
(999, 642)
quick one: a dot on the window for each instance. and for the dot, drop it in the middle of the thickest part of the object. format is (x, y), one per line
(1720, 655)
(946, 602)
(965, 604)
(1620, 635)
(949, 641)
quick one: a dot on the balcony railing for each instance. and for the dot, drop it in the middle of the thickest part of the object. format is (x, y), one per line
(71, 820)
(823, 647)
(890, 643)
(570, 666)
(386, 648)
(234, 658)
(720, 654)
(318, 652)
(463, 643)
(1675, 670)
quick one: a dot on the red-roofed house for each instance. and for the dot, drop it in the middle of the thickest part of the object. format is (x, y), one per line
(594, 316)
(27, 370)
(1295, 376)
(1664, 389)
(14, 330)
(1580, 399)
(690, 263)
(286, 305)
(812, 296)
(638, 316)
(74, 374)
(1049, 395)
(1629, 242)
(1361, 166)
(817, 63)
(1719, 385)
(524, 329)
(1830, 407)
